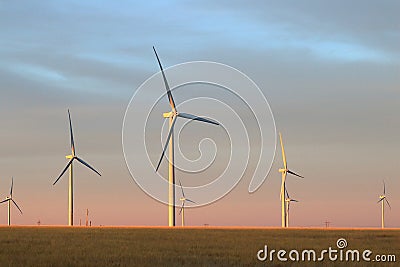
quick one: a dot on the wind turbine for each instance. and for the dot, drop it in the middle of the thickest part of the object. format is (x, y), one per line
(172, 115)
(10, 199)
(288, 200)
(382, 198)
(284, 172)
(71, 158)
(184, 199)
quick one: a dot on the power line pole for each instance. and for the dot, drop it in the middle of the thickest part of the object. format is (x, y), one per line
(327, 224)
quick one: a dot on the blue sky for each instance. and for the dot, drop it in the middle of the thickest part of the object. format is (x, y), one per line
(330, 71)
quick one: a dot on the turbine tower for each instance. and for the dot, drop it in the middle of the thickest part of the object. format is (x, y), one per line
(382, 198)
(172, 115)
(183, 199)
(288, 200)
(87, 217)
(284, 172)
(71, 159)
(10, 199)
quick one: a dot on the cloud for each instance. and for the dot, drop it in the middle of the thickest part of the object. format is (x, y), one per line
(360, 30)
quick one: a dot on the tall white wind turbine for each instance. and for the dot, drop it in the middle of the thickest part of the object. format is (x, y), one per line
(172, 115)
(288, 200)
(10, 199)
(382, 198)
(284, 172)
(183, 199)
(71, 158)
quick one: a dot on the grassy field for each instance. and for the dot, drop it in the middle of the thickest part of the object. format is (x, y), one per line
(102, 246)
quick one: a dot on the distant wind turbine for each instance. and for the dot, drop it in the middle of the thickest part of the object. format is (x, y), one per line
(172, 115)
(10, 199)
(288, 200)
(284, 172)
(382, 198)
(71, 158)
(183, 199)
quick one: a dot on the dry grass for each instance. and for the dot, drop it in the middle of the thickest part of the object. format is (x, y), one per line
(161, 246)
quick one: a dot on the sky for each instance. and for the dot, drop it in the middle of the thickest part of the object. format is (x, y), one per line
(329, 70)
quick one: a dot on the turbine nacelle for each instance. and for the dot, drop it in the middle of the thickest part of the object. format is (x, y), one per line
(285, 171)
(170, 114)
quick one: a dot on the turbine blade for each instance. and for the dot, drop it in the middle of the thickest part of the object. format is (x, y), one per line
(87, 165)
(196, 118)
(384, 187)
(12, 185)
(287, 193)
(15, 203)
(71, 135)
(190, 201)
(183, 193)
(283, 152)
(380, 200)
(388, 203)
(170, 98)
(5, 200)
(293, 173)
(183, 204)
(171, 130)
(294, 200)
(66, 167)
